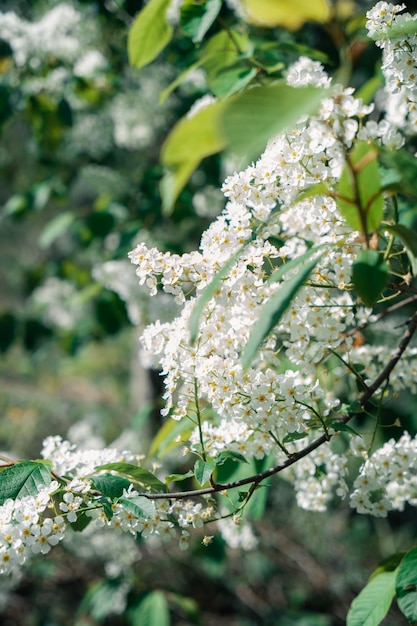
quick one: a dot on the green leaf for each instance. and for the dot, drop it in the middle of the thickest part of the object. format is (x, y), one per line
(139, 506)
(230, 455)
(197, 17)
(341, 427)
(191, 140)
(293, 437)
(174, 478)
(56, 228)
(109, 485)
(359, 195)
(149, 34)
(372, 604)
(369, 276)
(138, 474)
(250, 119)
(409, 239)
(232, 79)
(165, 93)
(288, 15)
(151, 611)
(23, 479)
(406, 585)
(219, 52)
(203, 471)
(209, 292)
(273, 310)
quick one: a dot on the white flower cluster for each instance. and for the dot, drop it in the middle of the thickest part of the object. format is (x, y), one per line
(388, 479)
(55, 34)
(399, 62)
(24, 530)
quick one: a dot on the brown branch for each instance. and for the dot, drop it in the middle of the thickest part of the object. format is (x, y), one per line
(296, 456)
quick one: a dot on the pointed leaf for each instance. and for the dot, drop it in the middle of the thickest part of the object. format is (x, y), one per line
(138, 474)
(109, 485)
(191, 139)
(369, 276)
(203, 471)
(152, 611)
(174, 478)
(372, 604)
(250, 119)
(139, 506)
(273, 310)
(288, 15)
(23, 479)
(149, 34)
(406, 585)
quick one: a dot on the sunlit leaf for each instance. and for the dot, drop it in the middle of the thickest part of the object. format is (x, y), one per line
(139, 506)
(192, 139)
(291, 15)
(250, 119)
(23, 479)
(149, 33)
(166, 439)
(372, 604)
(369, 276)
(406, 585)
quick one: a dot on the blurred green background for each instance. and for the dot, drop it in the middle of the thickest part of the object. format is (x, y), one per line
(80, 136)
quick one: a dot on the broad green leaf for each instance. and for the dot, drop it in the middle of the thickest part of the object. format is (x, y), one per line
(290, 15)
(197, 17)
(369, 276)
(406, 585)
(138, 474)
(166, 439)
(359, 195)
(273, 310)
(55, 228)
(372, 604)
(409, 239)
(250, 119)
(152, 611)
(149, 33)
(174, 478)
(139, 506)
(81, 522)
(203, 470)
(223, 50)
(191, 139)
(231, 455)
(389, 564)
(23, 479)
(109, 485)
(209, 292)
